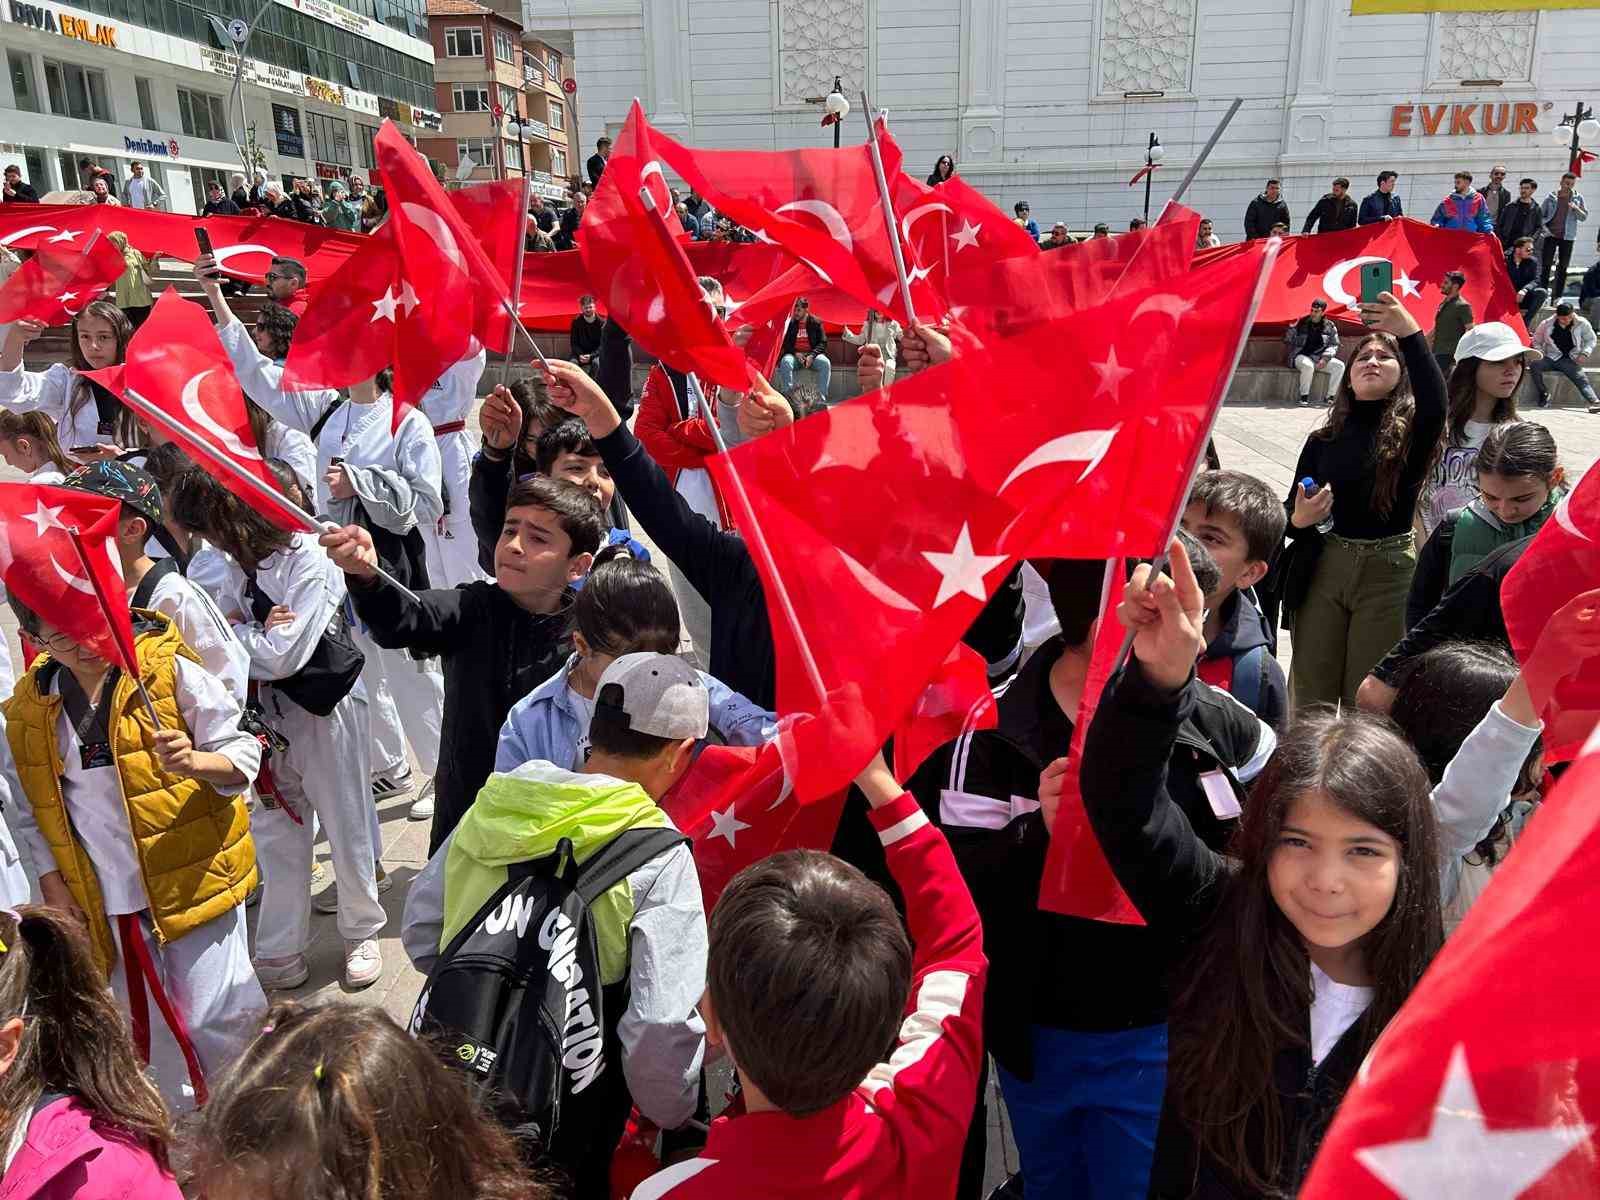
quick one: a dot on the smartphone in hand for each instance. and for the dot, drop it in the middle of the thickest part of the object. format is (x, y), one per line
(1376, 278)
(202, 239)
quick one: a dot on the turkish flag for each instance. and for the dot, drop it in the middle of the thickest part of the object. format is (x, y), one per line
(245, 246)
(496, 213)
(351, 326)
(889, 520)
(80, 593)
(1562, 561)
(551, 286)
(1485, 1082)
(180, 381)
(636, 263)
(54, 285)
(820, 205)
(957, 700)
(737, 806)
(1323, 266)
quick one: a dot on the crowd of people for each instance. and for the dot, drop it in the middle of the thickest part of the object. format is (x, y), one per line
(1298, 842)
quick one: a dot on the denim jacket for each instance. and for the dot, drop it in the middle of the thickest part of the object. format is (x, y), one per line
(545, 725)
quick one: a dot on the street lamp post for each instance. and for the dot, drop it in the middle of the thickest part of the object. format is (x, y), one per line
(838, 108)
(238, 34)
(1153, 154)
(520, 128)
(1580, 122)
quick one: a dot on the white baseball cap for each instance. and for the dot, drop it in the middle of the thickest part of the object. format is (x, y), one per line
(657, 694)
(1494, 341)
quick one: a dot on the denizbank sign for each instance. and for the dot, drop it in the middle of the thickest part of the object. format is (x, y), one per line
(155, 147)
(39, 17)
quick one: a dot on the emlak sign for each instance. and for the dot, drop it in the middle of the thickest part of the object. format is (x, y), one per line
(39, 17)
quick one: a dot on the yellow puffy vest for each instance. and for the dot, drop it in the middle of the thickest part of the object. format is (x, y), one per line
(193, 845)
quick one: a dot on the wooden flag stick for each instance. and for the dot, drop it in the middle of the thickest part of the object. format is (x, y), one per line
(890, 221)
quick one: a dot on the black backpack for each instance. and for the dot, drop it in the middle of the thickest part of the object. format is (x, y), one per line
(512, 1001)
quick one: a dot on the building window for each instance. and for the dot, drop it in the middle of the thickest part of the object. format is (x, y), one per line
(513, 155)
(201, 178)
(76, 91)
(330, 138)
(470, 97)
(508, 99)
(552, 61)
(202, 115)
(463, 41)
(818, 39)
(20, 68)
(364, 137)
(558, 163)
(1481, 45)
(147, 104)
(558, 116)
(1146, 46)
(502, 46)
(479, 150)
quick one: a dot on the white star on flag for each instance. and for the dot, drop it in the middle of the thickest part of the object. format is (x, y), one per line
(725, 825)
(1407, 285)
(45, 518)
(66, 235)
(65, 296)
(961, 571)
(1462, 1156)
(385, 306)
(966, 236)
(1111, 373)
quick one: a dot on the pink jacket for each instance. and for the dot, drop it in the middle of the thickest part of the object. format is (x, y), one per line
(70, 1155)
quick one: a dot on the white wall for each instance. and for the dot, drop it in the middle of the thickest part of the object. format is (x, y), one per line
(1318, 87)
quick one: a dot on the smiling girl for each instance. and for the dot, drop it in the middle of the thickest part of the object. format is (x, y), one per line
(90, 421)
(1291, 954)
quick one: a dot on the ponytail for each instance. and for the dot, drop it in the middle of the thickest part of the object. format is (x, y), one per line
(74, 1040)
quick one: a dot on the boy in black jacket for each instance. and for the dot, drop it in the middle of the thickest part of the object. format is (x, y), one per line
(498, 640)
(1082, 1061)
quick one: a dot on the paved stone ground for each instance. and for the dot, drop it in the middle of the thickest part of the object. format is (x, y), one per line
(1262, 441)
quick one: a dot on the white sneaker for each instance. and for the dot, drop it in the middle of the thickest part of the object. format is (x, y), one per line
(363, 964)
(282, 974)
(327, 900)
(386, 784)
(422, 806)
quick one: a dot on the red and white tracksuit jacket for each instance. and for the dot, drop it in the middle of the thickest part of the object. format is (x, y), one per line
(901, 1132)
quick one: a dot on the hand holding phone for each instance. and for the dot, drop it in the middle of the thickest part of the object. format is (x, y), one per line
(1376, 278)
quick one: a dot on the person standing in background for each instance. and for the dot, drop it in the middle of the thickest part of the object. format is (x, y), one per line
(133, 285)
(584, 336)
(1265, 211)
(1453, 319)
(1383, 204)
(1562, 210)
(142, 190)
(1495, 196)
(597, 161)
(1333, 212)
(1519, 218)
(15, 191)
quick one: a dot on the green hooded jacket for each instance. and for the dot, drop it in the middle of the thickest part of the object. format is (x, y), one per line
(522, 815)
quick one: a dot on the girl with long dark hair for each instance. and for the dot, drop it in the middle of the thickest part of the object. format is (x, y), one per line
(942, 170)
(1366, 464)
(1291, 953)
(1482, 394)
(81, 1118)
(283, 594)
(91, 422)
(339, 1101)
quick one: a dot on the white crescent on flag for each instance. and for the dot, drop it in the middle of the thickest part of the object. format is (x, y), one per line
(830, 217)
(223, 253)
(17, 235)
(1333, 279)
(660, 193)
(1086, 445)
(431, 223)
(192, 405)
(71, 578)
(922, 210)
(1563, 518)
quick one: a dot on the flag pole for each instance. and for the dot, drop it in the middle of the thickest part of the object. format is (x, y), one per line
(757, 541)
(516, 281)
(1205, 151)
(104, 602)
(888, 208)
(1159, 562)
(309, 523)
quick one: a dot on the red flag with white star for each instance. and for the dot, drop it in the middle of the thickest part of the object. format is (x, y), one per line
(1323, 266)
(636, 264)
(737, 807)
(890, 520)
(54, 285)
(352, 322)
(86, 600)
(1484, 1085)
(179, 380)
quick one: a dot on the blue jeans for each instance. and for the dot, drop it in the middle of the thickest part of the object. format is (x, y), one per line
(1085, 1125)
(819, 364)
(1563, 366)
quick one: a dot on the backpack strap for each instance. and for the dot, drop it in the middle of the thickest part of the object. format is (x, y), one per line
(1249, 677)
(326, 416)
(622, 856)
(147, 585)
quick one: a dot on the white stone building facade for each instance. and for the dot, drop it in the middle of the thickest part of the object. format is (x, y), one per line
(1053, 101)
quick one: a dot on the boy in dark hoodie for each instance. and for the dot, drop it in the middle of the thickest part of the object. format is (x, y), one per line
(1232, 514)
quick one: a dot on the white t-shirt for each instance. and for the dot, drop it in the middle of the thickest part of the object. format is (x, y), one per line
(94, 798)
(584, 706)
(1334, 1008)
(205, 630)
(1454, 483)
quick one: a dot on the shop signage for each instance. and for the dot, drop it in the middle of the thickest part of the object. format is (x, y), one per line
(328, 93)
(1457, 120)
(328, 171)
(155, 147)
(42, 18)
(286, 128)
